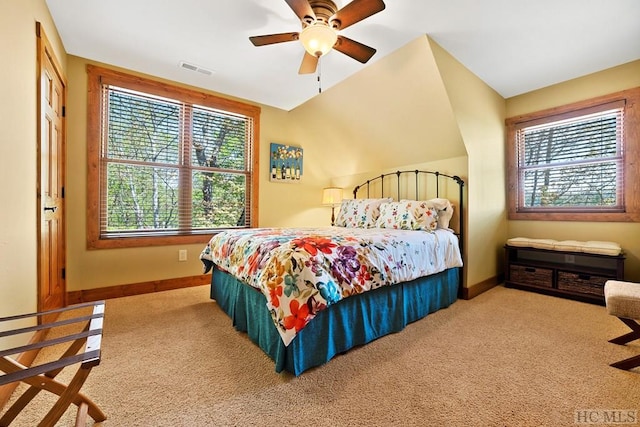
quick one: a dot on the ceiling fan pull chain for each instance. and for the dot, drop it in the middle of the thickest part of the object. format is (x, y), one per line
(319, 68)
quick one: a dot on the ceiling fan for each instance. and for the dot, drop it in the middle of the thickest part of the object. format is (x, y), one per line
(321, 20)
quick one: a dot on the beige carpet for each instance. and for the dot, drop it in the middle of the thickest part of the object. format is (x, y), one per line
(505, 358)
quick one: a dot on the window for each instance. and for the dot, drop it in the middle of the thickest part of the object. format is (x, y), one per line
(166, 165)
(575, 162)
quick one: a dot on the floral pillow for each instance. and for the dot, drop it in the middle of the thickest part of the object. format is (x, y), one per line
(396, 215)
(443, 207)
(425, 215)
(359, 213)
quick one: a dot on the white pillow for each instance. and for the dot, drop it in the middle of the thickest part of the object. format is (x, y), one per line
(359, 213)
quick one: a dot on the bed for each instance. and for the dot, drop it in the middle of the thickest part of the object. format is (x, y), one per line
(305, 295)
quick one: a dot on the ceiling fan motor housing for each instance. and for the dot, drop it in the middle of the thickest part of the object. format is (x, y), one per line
(324, 9)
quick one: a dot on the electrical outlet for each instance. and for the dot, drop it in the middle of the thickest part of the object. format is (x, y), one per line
(182, 255)
(570, 259)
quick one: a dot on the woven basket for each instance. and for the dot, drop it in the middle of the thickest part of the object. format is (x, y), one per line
(582, 283)
(532, 276)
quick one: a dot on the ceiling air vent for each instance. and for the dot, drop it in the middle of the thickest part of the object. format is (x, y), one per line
(196, 68)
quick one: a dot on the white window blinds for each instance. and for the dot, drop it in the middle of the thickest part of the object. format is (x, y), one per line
(574, 162)
(172, 167)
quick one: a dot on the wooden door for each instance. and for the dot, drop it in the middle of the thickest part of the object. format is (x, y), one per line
(51, 155)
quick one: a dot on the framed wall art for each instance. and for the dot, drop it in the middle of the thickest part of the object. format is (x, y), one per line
(286, 163)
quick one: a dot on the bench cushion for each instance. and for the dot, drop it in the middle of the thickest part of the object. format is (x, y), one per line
(589, 247)
(602, 248)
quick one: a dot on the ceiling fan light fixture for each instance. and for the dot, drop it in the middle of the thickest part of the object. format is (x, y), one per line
(318, 39)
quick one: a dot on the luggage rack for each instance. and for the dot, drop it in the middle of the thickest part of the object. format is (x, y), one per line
(83, 349)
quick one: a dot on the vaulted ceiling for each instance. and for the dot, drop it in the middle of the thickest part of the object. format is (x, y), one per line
(515, 46)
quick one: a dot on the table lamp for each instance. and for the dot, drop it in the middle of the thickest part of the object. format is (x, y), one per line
(332, 196)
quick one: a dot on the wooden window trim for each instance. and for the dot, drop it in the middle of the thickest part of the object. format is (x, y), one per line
(94, 114)
(631, 177)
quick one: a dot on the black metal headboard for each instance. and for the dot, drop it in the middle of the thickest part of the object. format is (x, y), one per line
(426, 185)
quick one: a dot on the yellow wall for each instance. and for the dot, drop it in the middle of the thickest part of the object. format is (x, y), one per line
(292, 204)
(394, 112)
(417, 105)
(479, 111)
(408, 106)
(626, 234)
(18, 147)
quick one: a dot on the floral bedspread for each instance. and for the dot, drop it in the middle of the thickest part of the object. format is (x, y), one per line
(301, 271)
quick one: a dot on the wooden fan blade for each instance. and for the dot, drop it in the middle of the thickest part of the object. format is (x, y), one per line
(309, 64)
(354, 49)
(356, 11)
(273, 38)
(301, 8)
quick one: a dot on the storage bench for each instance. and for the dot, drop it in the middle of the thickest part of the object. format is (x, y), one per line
(563, 268)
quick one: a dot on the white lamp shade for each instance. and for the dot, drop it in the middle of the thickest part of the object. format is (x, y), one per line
(332, 196)
(318, 39)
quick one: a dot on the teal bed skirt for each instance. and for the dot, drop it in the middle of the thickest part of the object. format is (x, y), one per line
(351, 322)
